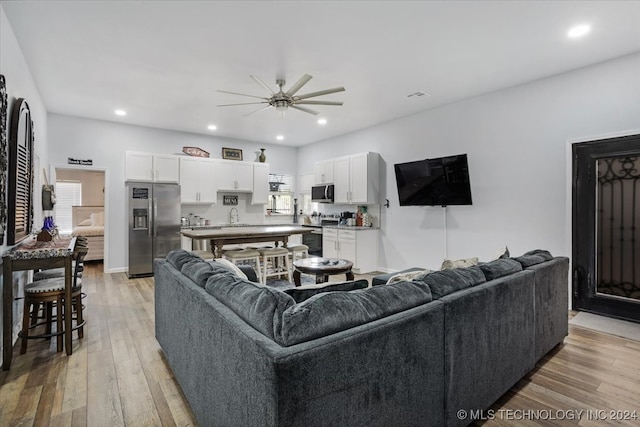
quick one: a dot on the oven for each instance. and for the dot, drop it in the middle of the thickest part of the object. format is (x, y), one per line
(313, 240)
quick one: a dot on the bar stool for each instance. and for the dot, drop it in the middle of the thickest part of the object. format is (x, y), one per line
(298, 251)
(279, 259)
(239, 255)
(47, 292)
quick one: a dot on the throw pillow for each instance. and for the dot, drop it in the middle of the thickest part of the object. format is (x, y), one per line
(534, 257)
(85, 223)
(501, 254)
(448, 264)
(499, 268)
(231, 267)
(302, 293)
(408, 276)
(97, 218)
(446, 282)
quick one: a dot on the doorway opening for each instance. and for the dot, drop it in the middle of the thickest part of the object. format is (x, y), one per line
(79, 208)
(606, 227)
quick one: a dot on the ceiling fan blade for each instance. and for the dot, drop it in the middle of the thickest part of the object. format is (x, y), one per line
(306, 110)
(241, 94)
(319, 102)
(259, 109)
(296, 87)
(320, 93)
(263, 84)
(242, 103)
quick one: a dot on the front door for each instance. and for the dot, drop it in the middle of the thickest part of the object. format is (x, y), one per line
(606, 227)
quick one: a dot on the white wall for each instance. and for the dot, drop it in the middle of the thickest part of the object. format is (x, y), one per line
(106, 143)
(516, 141)
(20, 84)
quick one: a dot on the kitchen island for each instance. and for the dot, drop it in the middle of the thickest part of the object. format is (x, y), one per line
(221, 236)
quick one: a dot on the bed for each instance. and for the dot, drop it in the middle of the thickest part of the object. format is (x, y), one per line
(88, 221)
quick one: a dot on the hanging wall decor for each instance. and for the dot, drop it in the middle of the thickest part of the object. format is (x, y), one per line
(3, 157)
(20, 182)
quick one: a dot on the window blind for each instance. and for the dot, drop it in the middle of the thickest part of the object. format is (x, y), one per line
(68, 194)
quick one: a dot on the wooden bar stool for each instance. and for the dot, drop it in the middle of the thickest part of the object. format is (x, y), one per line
(49, 293)
(205, 255)
(279, 260)
(298, 251)
(239, 255)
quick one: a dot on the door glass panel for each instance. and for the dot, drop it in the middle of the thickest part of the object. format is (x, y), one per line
(618, 227)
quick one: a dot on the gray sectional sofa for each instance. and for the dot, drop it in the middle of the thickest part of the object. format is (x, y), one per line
(404, 354)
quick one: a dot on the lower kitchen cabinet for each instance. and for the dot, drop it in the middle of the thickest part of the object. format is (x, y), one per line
(359, 246)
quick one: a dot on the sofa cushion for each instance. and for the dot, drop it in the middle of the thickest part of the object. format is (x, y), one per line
(199, 270)
(534, 257)
(258, 305)
(231, 267)
(500, 267)
(302, 293)
(177, 258)
(331, 312)
(446, 282)
(448, 264)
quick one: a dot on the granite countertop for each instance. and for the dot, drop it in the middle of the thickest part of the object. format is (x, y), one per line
(350, 227)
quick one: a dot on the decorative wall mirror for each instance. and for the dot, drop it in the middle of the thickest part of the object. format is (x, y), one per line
(3, 157)
(20, 209)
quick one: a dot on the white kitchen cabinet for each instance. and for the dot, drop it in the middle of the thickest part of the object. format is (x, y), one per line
(359, 246)
(198, 180)
(151, 167)
(357, 178)
(233, 175)
(260, 195)
(305, 182)
(323, 172)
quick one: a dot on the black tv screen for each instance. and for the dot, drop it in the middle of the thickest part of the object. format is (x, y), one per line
(442, 181)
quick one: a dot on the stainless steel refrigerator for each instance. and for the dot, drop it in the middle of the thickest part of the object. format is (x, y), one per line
(153, 212)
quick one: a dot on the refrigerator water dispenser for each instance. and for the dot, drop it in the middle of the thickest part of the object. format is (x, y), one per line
(140, 219)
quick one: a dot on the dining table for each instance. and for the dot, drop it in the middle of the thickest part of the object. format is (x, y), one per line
(220, 236)
(32, 254)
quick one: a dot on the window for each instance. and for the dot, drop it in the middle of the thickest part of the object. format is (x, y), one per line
(68, 194)
(280, 194)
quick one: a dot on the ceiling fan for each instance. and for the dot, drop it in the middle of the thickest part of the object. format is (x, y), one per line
(282, 100)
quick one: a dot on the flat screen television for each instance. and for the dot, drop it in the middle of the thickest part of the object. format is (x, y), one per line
(442, 181)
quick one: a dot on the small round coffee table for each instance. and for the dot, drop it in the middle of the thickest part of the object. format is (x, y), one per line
(322, 268)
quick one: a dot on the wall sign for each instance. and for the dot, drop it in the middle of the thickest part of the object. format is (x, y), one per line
(230, 200)
(72, 161)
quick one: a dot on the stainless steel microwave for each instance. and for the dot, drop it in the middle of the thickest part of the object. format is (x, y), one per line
(322, 193)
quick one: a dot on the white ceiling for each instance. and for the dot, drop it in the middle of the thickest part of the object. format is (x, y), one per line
(162, 61)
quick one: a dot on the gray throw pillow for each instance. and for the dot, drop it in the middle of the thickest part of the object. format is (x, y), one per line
(302, 293)
(446, 282)
(499, 268)
(534, 257)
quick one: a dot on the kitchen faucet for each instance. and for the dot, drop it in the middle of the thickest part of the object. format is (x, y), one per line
(237, 216)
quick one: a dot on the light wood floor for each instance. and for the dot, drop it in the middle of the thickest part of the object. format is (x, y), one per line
(118, 376)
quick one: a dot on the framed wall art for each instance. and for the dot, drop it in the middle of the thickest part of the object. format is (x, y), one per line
(231, 153)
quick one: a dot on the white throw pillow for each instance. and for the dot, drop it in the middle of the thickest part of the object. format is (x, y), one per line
(97, 218)
(84, 223)
(502, 253)
(231, 266)
(449, 264)
(407, 277)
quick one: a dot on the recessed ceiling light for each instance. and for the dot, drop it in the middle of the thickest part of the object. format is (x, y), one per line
(212, 127)
(322, 121)
(279, 137)
(578, 31)
(120, 113)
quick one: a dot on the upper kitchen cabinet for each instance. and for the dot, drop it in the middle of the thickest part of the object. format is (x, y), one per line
(197, 180)
(305, 182)
(260, 194)
(151, 167)
(232, 175)
(323, 172)
(357, 178)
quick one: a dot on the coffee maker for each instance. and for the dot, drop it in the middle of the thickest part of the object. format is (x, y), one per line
(345, 218)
